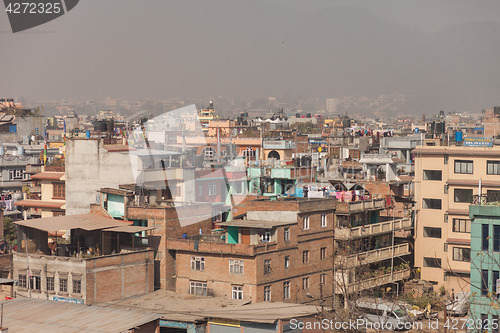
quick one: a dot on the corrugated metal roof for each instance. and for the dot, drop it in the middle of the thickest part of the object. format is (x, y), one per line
(81, 221)
(132, 229)
(33, 315)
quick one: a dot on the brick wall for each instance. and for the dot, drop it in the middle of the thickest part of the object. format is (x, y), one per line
(119, 276)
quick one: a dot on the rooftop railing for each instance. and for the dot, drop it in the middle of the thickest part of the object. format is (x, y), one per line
(486, 199)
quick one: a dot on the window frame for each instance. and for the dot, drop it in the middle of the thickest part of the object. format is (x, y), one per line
(286, 290)
(63, 284)
(58, 191)
(237, 291)
(427, 173)
(437, 261)
(194, 286)
(324, 220)
(463, 167)
(267, 293)
(236, 267)
(458, 196)
(305, 283)
(458, 223)
(305, 256)
(495, 167)
(197, 263)
(322, 253)
(428, 232)
(286, 234)
(267, 266)
(305, 222)
(458, 254)
(427, 204)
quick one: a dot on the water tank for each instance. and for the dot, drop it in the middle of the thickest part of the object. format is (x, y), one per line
(458, 136)
(417, 129)
(297, 115)
(87, 134)
(20, 150)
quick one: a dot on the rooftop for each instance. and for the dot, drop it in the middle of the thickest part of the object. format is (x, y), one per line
(33, 315)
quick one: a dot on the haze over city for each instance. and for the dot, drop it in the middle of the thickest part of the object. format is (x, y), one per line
(437, 55)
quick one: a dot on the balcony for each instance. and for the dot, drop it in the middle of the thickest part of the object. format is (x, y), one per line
(373, 229)
(379, 280)
(368, 257)
(360, 206)
(486, 199)
(210, 247)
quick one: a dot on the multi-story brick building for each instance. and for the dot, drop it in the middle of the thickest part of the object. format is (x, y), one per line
(281, 252)
(446, 178)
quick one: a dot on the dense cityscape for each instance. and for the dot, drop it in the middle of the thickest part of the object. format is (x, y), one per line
(309, 213)
(221, 166)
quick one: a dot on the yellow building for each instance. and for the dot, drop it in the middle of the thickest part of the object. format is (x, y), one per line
(446, 178)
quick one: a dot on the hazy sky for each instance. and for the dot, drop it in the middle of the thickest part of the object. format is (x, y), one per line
(441, 54)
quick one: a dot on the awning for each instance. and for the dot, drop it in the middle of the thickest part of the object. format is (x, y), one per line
(82, 221)
(48, 175)
(40, 204)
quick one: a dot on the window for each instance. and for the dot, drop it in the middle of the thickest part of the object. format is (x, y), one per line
(287, 262)
(59, 191)
(63, 285)
(485, 237)
(322, 253)
(50, 283)
(445, 247)
(461, 254)
(432, 232)
(431, 204)
(36, 282)
(493, 167)
(305, 283)
(305, 256)
(446, 188)
(249, 152)
(323, 220)
(198, 263)
(16, 174)
(286, 290)
(236, 266)
(462, 166)
(208, 152)
(461, 225)
(496, 276)
(432, 175)
(77, 286)
(484, 282)
(445, 159)
(22, 281)
(445, 218)
(286, 234)
(432, 262)
(212, 189)
(463, 195)
(305, 219)
(237, 292)
(496, 238)
(267, 266)
(322, 279)
(267, 293)
(198, 288)
(266, 236)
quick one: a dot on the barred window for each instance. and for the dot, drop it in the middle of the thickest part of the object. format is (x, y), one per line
(50, 283)
(77, 286)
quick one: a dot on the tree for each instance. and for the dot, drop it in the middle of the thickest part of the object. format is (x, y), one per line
(9, 230)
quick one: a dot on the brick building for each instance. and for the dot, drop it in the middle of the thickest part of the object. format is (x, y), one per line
(281, 252)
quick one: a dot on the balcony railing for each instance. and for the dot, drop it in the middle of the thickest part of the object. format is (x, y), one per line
(379, 280)
(360, 206)
(374, 255)
(486, 199)
(373, 229)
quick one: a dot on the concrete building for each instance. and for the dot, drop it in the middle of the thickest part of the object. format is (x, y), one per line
(485, 258)
(281, 252)
(446, 178)
(371, 251)
(91, 165)
(103, 261)
(46, 194)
